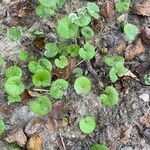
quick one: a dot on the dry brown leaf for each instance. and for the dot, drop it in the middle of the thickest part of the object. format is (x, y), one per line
(145, 120)
(34, 126)
(126, 131)
(67, 71)
(145, 35)
(18, 136)
(33, 93)
(128, 73)
(108, 9)
(35, 143)
(142, 8)
(39, 42)
(121, 47)
(136, 50)
(50, 125)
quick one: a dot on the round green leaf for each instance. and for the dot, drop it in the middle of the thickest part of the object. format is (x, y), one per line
(58, 88)
(66, 29)
(33, 66)
(42, 106)
(87, 52)
(87, 124)
(13, 99)
(147, 79)
(46, 64)
(113, 74)
(122, 6)
(82, 85)
(99, 147)
(41, 78)
(14, 86)
(62, 62)
(23, 55)
(87, 32)
(73, 50)
(51, 50)
(2, 126)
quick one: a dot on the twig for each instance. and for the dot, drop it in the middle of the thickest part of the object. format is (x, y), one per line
(79, 63)
(62, 141)
(40, 90)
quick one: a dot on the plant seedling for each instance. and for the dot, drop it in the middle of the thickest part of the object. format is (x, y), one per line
(147, 79)
(23, 55)
(82, 85)
(87, 125)
(66, 29)
(33, 66)
(13, 71)
(122, 6)
(93, 10)
(87, 32)
(13, 99)
(42, 106)
(1, 60)
(48, 3)
(51, 50)
(41, 78)
(73, 50)
(130, 31)
(15, 33)
(99, 147)
(46, 64)
(14, 86)
(109, 96)
(62, 62)
(58, 88)
(87, 52)
(2, 126)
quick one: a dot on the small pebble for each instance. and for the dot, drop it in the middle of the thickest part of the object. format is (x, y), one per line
(144, 97)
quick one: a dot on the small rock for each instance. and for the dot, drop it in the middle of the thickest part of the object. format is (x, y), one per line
(147, 133)
(145, 97)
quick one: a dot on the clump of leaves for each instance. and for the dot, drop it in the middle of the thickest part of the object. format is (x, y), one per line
(122, 6)
(42, 106)
(109, 96)
(82, 85)
(23, 55)
(62, 62)
(2, 126)
(87, 32)
(87, 125)
(147, 79)
(130, 31)
(42, 78)
(99, 147)
(73, 50)
(1, 60)
(87, 52)
(117, 67)
(15, 33)
(58, 88)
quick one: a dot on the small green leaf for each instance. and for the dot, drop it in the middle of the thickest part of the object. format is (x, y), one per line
(33, 66)
(51, 50)
(87, 52)
(93, 10)
(82, 85)
(62, 62)
(2, 126)
(60, 2)
(99, 147)
(14, 86)
(41, 78)
(13, 147)
(147, 79)
(131, 31)
(113, 74)
(46, 64)
(109, 97)
(109, 61)
(13, 99)
(87, 125)
(48, 3)
(58, 88)
(87, 32)
(23, 55)
(42, 106)
(1, 60)
(73, 50)
(13, 71)
(15, 33)
(66, 29)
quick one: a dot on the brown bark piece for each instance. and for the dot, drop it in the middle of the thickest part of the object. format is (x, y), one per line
(145, 120)
(145, 35)
(121, 47)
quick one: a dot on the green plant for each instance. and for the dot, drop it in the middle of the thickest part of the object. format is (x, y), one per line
(23, 55)
(87, 52)
(99, 147)
(117, 67)
(73, 50)
(109, 96)
(1, 60)
(51, 50)
(13, 147)
(82, 85)
(62, 62)
(2, 126)
(87, 32)
(130, 31)
(15, 33)
(45, 63)
(13, 71)
(33, 66)
(122, 6)
(147, 79)
(13, 99)
(66, 29)
(58, 88)
(42, 77)
(42, 106)
(93, 10)
(87, 125)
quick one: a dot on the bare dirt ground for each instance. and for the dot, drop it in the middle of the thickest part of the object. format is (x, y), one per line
(120, 128)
